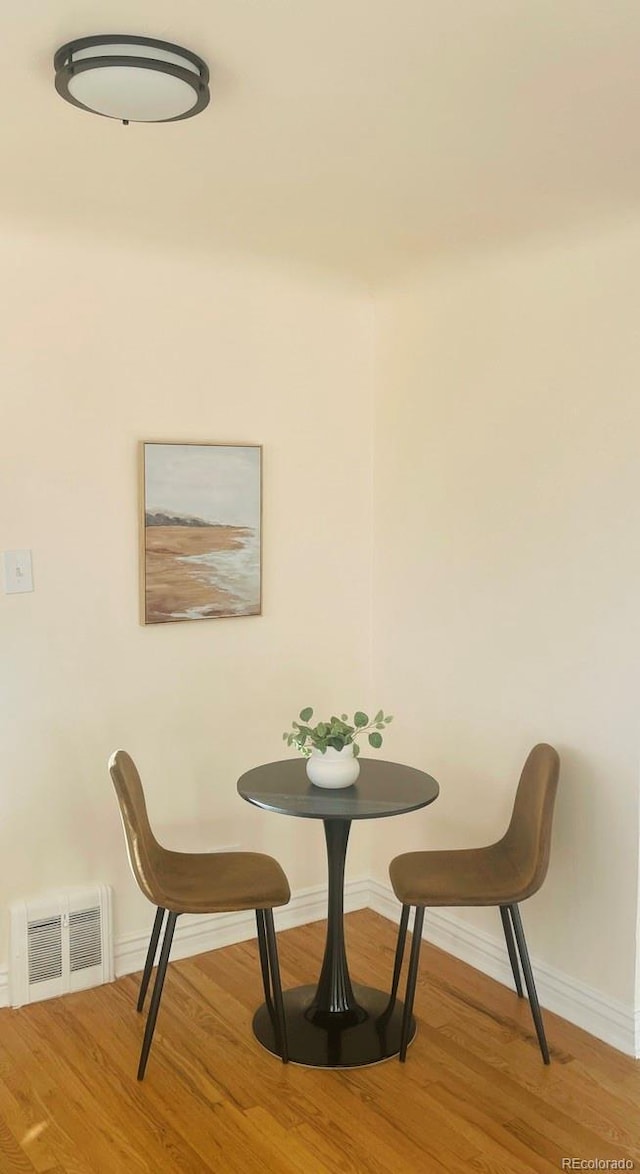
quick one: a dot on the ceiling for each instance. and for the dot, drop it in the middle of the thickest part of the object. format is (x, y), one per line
(362, 136)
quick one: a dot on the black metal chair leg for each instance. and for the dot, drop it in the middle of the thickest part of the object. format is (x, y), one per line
(529, 983)
(511, 947)
(397, 966)
(264, 960)
(157, 993)
(412, 975)
(151, 956)
(274, 966)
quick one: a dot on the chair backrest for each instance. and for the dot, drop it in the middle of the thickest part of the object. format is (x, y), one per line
(527, 840)
(143, 849)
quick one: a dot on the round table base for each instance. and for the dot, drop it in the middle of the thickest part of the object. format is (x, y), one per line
(337, 1045)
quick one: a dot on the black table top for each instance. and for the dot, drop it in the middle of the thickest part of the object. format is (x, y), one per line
(382, 788)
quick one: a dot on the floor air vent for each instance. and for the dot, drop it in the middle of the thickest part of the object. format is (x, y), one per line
(60, 943)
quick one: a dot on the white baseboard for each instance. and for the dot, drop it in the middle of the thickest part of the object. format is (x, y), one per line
(196, 935)
(602, 1017)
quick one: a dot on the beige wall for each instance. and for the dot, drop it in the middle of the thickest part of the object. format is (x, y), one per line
(507, 566)
(102, 348)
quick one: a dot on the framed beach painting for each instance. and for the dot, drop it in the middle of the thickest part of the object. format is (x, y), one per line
(201, 531)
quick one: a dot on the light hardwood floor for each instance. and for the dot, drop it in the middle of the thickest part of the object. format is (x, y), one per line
(474, 1094)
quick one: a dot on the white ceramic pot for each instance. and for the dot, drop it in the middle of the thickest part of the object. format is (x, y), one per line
(334, 768)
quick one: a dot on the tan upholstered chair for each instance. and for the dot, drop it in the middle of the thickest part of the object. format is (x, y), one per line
(502, 874)
(197, 882)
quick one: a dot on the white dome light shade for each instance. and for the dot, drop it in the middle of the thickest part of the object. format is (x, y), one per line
(133, 95)
(134, 79)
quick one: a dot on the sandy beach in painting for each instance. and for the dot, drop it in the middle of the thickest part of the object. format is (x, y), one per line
(192, 572)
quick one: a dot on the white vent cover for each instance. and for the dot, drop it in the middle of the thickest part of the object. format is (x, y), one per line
(60, 943)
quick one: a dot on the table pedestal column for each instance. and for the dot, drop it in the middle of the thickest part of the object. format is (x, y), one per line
(334, 995)
(336, 1024)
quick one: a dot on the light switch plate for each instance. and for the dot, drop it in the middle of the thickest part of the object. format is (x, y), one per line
(18, 573)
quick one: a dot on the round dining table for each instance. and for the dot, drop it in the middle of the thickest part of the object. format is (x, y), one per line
(337, 1023)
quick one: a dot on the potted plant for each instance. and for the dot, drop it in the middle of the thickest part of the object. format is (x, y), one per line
(331, 747)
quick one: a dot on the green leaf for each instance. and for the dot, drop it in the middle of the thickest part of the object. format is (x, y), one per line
(375, 740)
(360, 719)
(387, 720)
(356, 750)
(379, 716)
(306, 714)
(321, 729)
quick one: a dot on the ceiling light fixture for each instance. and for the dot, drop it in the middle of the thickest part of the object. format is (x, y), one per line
(134, 79)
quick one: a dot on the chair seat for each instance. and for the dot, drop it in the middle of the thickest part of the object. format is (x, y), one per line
(219, 882)
(460, 876)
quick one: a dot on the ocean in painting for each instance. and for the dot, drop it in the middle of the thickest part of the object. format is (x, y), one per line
(235, 573)
(198, 572)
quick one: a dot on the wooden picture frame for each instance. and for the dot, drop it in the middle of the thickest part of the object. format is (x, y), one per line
(201, 531)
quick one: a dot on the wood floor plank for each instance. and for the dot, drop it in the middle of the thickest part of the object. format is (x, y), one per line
(286, 1143)
(79, 1071)
(23, 1117)
(12, 1155)
(335, 1156)
(473, 1095)
(534, 1102)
